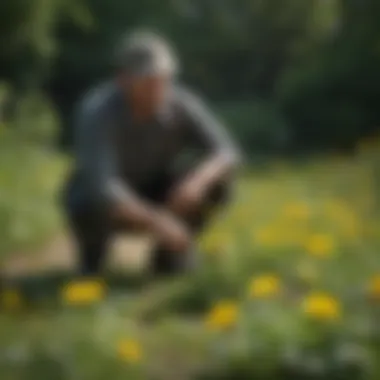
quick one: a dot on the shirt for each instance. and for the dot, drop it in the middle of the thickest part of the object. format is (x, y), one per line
(115, 156)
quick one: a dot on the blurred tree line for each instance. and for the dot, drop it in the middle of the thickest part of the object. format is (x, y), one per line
(285, 74)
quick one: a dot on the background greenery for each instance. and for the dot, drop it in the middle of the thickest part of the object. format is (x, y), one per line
(309, 67)
(290, 285)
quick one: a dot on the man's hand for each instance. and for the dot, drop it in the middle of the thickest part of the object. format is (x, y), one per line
(186, 198)
(171, 232)
(168, 230)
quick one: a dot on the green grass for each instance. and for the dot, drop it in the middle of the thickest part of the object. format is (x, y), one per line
(289, 289)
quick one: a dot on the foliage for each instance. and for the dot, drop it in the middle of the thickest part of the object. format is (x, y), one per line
(313, 64)
(30, 174)
(289, 289)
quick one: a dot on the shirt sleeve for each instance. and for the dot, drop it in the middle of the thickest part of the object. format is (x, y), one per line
(96, 158)
(205, 130)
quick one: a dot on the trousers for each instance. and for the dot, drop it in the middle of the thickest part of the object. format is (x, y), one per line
(93, 228)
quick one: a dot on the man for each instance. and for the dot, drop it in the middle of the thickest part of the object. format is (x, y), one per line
(133, 135)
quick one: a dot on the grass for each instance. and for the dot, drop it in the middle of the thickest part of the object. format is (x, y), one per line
(289, 289)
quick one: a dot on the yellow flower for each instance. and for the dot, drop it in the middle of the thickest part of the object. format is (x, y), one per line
(321, 306)
(11, 299)
(130, 350)
(222, 316)
(296, 210)
(374, 287)
(83, 292)
(320, 245)
(264, 286)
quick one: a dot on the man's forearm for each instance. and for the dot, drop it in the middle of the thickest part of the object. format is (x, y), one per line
(213, 170)
(127, 205)
(136, 212)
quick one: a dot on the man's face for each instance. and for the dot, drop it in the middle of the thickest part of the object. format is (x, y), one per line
(147, 92)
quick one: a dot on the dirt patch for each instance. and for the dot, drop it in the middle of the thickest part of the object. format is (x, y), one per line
(125, 253)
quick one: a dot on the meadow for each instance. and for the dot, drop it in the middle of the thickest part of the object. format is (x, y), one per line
(289, 289)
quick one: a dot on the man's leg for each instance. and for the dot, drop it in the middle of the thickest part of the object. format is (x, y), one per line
(91, 229)
(165, 262)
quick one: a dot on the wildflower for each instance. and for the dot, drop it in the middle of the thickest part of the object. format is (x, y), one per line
(320, 245)
(11, 299)
(130, 350)
(83, 292)
(321, 306)
(374, 287)
(222, 316)
(264, 286)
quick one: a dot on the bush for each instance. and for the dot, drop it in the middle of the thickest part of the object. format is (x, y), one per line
(258, 125)
(30, 174)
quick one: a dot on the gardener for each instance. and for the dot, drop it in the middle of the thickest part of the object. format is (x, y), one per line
(150, 157)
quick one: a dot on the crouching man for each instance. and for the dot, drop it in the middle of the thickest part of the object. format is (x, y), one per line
(149, 157)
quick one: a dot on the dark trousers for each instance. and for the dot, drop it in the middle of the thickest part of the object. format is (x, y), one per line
(92, 227)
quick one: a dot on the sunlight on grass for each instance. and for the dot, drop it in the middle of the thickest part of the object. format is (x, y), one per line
(291, 273)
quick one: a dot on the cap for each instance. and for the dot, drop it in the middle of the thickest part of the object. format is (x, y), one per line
(146, 53)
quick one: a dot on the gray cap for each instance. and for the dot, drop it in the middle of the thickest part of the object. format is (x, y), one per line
(146, 53)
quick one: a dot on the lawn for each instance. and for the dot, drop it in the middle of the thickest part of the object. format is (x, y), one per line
(289, 289)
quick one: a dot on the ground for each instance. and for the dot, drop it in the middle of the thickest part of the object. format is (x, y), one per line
(289, 288)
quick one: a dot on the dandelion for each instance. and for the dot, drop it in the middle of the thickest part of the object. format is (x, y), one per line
(264, 286)
(374, 287)
(130, 351)
(321, 245)
(83, 292)
(11, 299)
(321, 306)
(222, 316)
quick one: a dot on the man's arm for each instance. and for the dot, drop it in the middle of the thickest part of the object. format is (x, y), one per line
(222, 155)
(106, 189)
(99, 167)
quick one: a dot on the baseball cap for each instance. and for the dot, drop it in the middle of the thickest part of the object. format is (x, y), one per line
(146, 53)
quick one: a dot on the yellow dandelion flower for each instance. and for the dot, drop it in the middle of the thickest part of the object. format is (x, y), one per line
(320, 245)
(374, 287)
(321, 306)
(11, 299)
(222, 316)
(264, 286)
(83, 292)
(296, 210)
(130, 350)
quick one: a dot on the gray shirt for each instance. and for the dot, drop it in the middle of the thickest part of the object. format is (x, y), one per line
(115, 156)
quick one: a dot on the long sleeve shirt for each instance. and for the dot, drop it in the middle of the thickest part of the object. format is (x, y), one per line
(115, 156)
